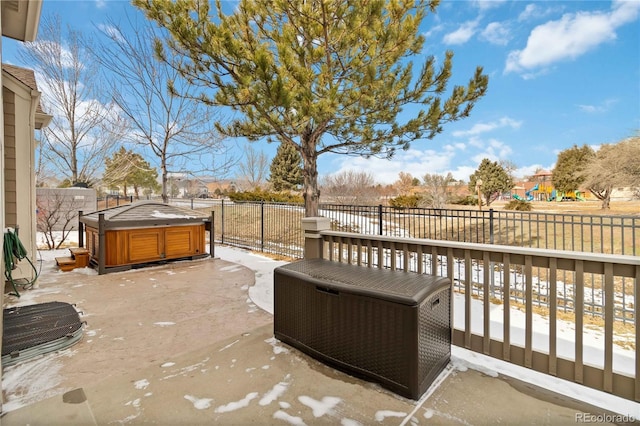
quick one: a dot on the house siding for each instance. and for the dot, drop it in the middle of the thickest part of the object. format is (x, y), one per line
(10, 214)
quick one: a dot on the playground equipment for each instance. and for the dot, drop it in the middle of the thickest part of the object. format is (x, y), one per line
(528, 194)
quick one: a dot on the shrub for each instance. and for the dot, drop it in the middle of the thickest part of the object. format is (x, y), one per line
(469, 200)
(405, 201)
(519, 205)
(268, 196)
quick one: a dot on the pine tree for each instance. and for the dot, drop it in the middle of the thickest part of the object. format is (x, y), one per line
(567, 174)
(286, 169)
(495, 180)
(127, 168)
(326, 76)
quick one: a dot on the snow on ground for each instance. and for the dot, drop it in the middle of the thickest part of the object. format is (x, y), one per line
(261, 294)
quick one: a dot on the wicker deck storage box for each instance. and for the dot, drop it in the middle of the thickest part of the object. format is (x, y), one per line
(389, 327)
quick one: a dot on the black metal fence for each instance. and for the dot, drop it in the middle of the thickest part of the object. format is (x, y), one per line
(275, 227)
(612, 234)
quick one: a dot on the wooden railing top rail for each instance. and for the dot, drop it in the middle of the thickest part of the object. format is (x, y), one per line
(625, 265)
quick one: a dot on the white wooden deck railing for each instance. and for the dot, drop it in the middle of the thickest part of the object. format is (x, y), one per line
(515, 334)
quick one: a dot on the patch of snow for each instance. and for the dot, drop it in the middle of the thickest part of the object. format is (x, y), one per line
(32, 380)
(284, 405)
(231, 268)
(135, 403)
(236, 405)
(260, 294)
(164, 324)
(350, 422)
(161, 215)
(229, 345)
(276, 392)
(277, 349)
(188, 369)
(383, 414)
(320, 408)
(603, 400)
(428, 413)
(168, 364)
(292, 420)
(199, 403)
(141, 384)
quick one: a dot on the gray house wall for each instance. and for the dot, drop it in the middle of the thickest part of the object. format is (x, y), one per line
(64, 204)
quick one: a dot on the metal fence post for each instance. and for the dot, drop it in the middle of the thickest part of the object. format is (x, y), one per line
(212, 235)
(222, 225)
(80, 230)
(192, 204)
(380, 227)
(490, 226)
(262, 225)
(101, 247)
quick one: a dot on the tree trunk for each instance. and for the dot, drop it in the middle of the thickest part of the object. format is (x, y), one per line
(603, 195)
(163, 168)
(310, 172)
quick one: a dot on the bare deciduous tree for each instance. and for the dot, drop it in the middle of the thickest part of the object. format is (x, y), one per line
(57, 213)
(350, 187)
(254, 169)
(437, 189)
(84, 128)
(613, 165)
(404, 183)
(180, 132)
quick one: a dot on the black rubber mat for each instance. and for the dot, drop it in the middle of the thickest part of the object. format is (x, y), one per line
(36, 329)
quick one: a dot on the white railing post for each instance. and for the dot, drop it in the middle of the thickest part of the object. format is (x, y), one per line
(313, 243)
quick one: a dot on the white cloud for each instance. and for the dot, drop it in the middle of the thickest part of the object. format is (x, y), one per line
(570, 37)
(434, 30)
(112, 32)
(488, 4)
(531, 10)
(493, 149)
(101, 4)
(534, 11)
(487, 127)
(522, 172)
(462, 34)
(496, 33)
(594, 109)
(57, 50)
(463, 172)
(414, 161)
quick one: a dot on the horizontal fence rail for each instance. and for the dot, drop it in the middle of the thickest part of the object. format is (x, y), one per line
(496, 309)
(612, 234)
(245, 224)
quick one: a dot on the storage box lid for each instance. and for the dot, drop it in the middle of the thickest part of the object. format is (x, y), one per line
(407, 288)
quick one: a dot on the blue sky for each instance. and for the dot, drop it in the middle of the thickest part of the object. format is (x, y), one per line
(560, 73)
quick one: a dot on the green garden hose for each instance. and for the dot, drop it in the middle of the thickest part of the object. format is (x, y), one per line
(13, 252)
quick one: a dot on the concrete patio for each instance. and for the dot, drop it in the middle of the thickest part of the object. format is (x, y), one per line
(183, 343)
